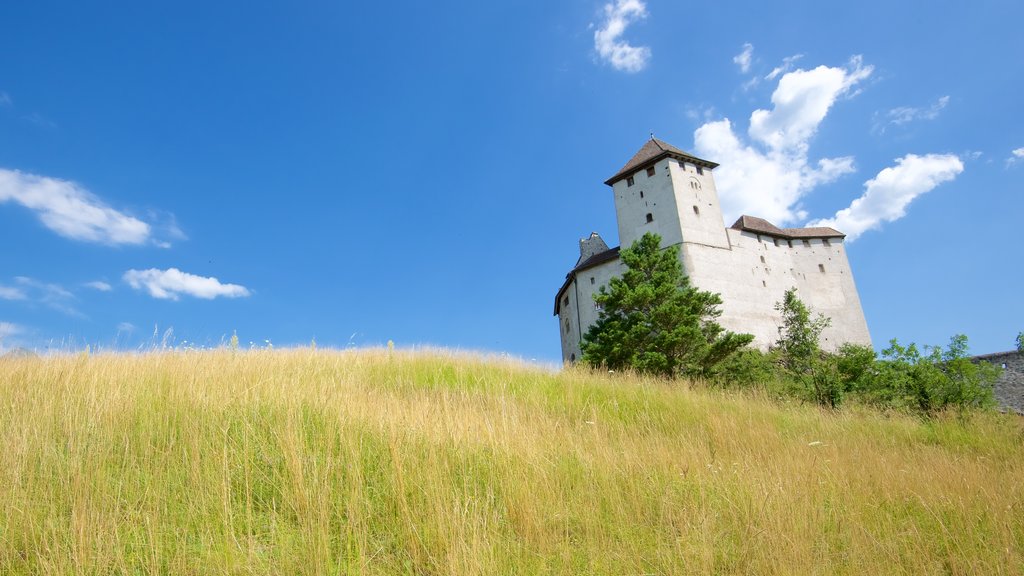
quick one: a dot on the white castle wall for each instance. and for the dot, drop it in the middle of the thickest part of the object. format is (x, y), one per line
(751, 271)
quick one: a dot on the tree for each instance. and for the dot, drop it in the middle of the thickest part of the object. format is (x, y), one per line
(801, 353)
(1020, 341)
(936, 380)
(653, 320)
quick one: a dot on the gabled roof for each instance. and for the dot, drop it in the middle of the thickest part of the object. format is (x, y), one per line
(599, 258)
(651, 152)
(762, 226)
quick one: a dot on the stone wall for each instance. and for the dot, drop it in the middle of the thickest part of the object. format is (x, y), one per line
(1009, 388)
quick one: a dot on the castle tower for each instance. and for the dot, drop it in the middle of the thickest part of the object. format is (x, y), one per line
(668, 192)
(751, 264)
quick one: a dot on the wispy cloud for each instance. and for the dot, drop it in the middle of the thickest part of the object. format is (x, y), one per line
(72, 211)
(172, 283)
(5, 99)
(9, 336)
(49, 294)
(9, 329)
(786, 66)
(99, 285)
(887, 195)
(608, 37)
(743, 59)
(11, 293)
(1015, 156)
(906, 114)
(770, 175)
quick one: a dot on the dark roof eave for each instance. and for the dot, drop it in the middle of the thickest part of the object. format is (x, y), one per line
(595, 260)
(667, 154)
(765, 228)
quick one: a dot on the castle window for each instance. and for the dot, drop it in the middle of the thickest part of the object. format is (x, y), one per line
(682, 165)
(650, 217)
(763, 283)
(650, 171)
(825, 242)
(699, 170)
(565, 301)
(807, 243)
(789, 243)
(592, 280)
(821, 268)
(566, 325)
(572, 357)
(696, 211)
(629, 181)
(762, 259)
(775, 241)
(641, 193)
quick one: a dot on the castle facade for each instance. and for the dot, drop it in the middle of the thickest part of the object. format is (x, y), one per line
(750, 264)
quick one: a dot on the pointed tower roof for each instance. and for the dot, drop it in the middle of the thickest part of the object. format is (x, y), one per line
(652, 151)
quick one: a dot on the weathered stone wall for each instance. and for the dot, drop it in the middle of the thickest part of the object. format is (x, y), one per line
(1009, 388)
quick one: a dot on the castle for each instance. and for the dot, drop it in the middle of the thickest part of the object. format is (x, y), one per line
(751, 264)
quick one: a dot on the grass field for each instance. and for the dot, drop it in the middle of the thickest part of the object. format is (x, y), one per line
(377, 462)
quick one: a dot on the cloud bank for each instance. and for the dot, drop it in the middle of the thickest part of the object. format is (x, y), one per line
(608, 37)
(887, 195)
(172, 283)
(770, 175)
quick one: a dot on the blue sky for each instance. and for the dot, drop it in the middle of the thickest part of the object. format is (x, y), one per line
(422, 172)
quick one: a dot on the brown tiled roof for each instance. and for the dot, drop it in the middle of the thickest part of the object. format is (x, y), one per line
(762, 226)
(650, 153)
(599, 258)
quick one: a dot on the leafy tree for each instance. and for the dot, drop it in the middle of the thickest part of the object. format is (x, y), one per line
(799, 333)
(935, 380)
(801, 355)
(653, 320)
(1020, 341)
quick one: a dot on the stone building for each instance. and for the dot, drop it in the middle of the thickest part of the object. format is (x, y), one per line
(751, 264)
(1009, 389)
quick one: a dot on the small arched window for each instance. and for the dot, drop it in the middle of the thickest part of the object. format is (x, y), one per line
(650, 217)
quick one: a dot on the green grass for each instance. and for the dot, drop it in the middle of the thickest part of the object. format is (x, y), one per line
(370, 462)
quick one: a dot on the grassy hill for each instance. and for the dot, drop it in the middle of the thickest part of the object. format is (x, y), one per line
(370, 462)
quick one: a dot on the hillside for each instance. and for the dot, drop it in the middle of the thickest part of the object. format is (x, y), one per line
(373, 462)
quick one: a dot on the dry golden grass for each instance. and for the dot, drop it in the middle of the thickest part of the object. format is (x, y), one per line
(370, 462)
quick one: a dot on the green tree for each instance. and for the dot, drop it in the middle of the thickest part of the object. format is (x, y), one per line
(800, 351)
(653, 320)
(936, 380)
(1020, 341)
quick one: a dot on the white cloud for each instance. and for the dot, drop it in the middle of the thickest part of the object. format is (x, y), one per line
(170, 284)
(99, 285)
(51, 295)
(1015, 156)
(607, 38)
(9, 329)
(786, 66)
(126, 327)
(743, 58)
(11, 293)
(906, 114)
(70, 210)
(887, 195)
(769, 176)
